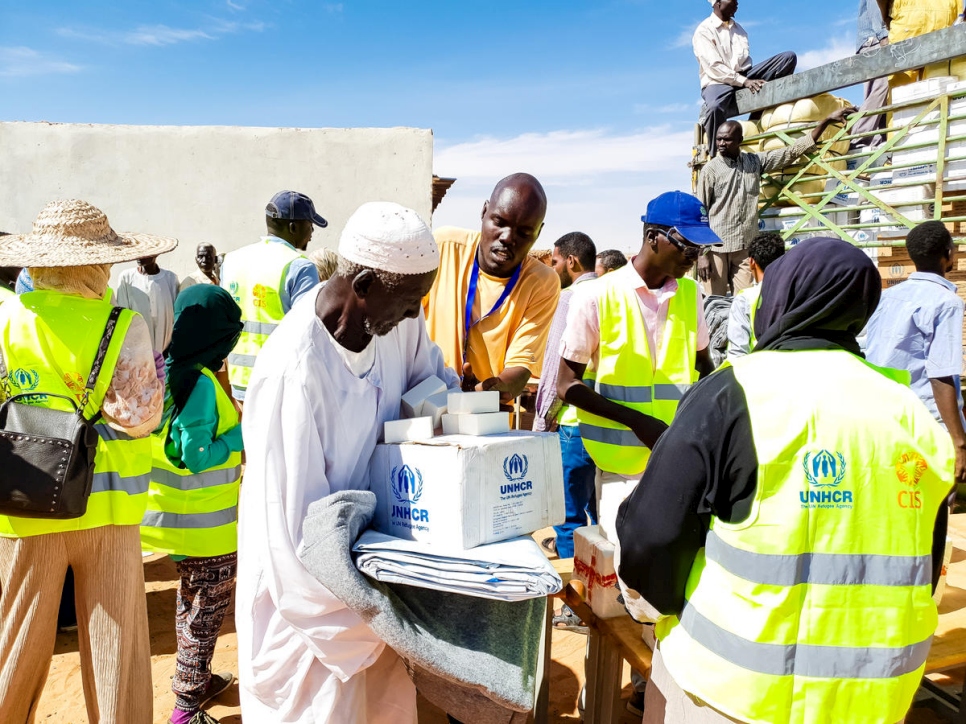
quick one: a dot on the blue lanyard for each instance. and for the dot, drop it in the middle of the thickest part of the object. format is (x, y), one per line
(471, 299)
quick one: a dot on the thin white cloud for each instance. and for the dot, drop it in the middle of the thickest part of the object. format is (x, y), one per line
(334, 8)
(19, 62)
(597, 181)
(683, 39)
(234, 6)
(567, 156)
(836, 49)
(161, 35)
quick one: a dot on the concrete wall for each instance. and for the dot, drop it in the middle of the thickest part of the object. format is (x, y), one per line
(208, 183)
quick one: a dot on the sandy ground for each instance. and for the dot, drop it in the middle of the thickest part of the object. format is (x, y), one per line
(63, 698)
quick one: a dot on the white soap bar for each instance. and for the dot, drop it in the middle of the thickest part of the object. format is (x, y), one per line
(472, 403)
(412, 401)
(435, 407)
(487, 423)
(420, 428)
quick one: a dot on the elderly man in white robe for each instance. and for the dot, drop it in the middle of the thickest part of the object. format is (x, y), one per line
(332, 373)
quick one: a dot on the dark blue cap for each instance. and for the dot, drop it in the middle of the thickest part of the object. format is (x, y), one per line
(293, 206)
(685, 213)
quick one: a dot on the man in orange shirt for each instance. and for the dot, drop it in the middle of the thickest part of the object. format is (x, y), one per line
(491, 305)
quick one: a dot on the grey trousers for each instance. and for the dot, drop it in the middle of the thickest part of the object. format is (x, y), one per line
(719, 100)
(876, 96)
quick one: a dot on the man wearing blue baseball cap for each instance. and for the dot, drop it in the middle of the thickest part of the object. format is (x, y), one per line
(266, 278)
(639, 338)
(635, 342)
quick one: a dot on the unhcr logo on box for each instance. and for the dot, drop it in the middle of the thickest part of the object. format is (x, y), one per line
(515, 469)
(407, 488)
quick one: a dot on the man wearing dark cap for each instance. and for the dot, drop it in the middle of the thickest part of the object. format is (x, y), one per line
(635, 342)
(639, 339)
(268, 277)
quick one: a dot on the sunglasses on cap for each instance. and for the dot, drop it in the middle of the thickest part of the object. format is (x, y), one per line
(690, 251)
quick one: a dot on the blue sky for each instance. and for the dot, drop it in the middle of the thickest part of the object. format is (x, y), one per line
(598, 99)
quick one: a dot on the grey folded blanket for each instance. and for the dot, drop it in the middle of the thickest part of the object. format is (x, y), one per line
(473, 657)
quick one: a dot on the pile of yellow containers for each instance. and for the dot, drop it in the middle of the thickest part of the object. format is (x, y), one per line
(794, 118)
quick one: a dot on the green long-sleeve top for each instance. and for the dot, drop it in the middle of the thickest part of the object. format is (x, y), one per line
(192, 442)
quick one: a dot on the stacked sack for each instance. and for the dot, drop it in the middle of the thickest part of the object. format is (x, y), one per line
(797, 117)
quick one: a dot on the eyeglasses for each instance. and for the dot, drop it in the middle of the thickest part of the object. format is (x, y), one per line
(690, 251)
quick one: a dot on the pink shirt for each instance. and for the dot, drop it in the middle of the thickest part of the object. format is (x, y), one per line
(581, 338)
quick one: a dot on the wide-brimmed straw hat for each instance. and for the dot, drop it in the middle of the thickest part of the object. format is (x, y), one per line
(75, 233)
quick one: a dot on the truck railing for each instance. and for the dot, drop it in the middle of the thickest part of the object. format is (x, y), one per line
(823, 211)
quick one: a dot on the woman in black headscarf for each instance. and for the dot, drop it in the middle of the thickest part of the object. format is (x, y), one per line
(193, 498)
(825, 424)
(817, 296)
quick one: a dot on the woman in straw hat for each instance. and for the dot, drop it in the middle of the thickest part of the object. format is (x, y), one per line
(48, 342)
(193, 500)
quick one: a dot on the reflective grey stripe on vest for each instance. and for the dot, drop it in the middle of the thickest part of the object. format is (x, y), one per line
(158, 519)
(820, 568)
(241, 360)
(826, 662)
(609, 436)
(134, 485)
(109, 434)
(192, 481)
(259, 327)
(622, 393)
(670, 392)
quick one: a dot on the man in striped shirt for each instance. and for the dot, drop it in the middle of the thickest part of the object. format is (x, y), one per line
(728, 187)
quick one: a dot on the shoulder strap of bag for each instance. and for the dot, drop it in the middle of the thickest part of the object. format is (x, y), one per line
(99, 359)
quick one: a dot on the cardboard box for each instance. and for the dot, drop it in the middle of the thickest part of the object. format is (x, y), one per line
(466, 491)
(947, 559)
(612, 489)
(594, 567)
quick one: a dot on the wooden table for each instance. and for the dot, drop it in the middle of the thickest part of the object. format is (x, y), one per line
(949, 644)
(611, 641)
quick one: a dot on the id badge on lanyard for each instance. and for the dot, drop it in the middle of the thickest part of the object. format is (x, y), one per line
(471, 300)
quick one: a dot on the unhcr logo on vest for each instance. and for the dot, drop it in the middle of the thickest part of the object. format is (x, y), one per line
(515, 469)
(26, 380)
(824, 473)
(407, 488)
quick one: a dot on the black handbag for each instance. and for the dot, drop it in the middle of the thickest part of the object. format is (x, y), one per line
(47, 456)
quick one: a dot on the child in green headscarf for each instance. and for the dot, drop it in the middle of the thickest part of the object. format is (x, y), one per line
(193, 497)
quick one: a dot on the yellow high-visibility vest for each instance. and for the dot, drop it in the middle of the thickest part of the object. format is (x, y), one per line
(818, 607)
(49, 342)
(194, 514)
(255, 276)
(626, 375)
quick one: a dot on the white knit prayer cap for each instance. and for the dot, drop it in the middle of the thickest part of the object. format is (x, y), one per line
(384, 235)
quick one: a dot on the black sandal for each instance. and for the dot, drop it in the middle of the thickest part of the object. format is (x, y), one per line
(567, 620)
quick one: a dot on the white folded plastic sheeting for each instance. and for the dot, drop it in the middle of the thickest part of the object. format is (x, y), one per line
(512, 570)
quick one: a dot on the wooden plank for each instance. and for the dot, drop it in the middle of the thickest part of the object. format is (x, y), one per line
(949, 644)
(624, 631)
(914, 53)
